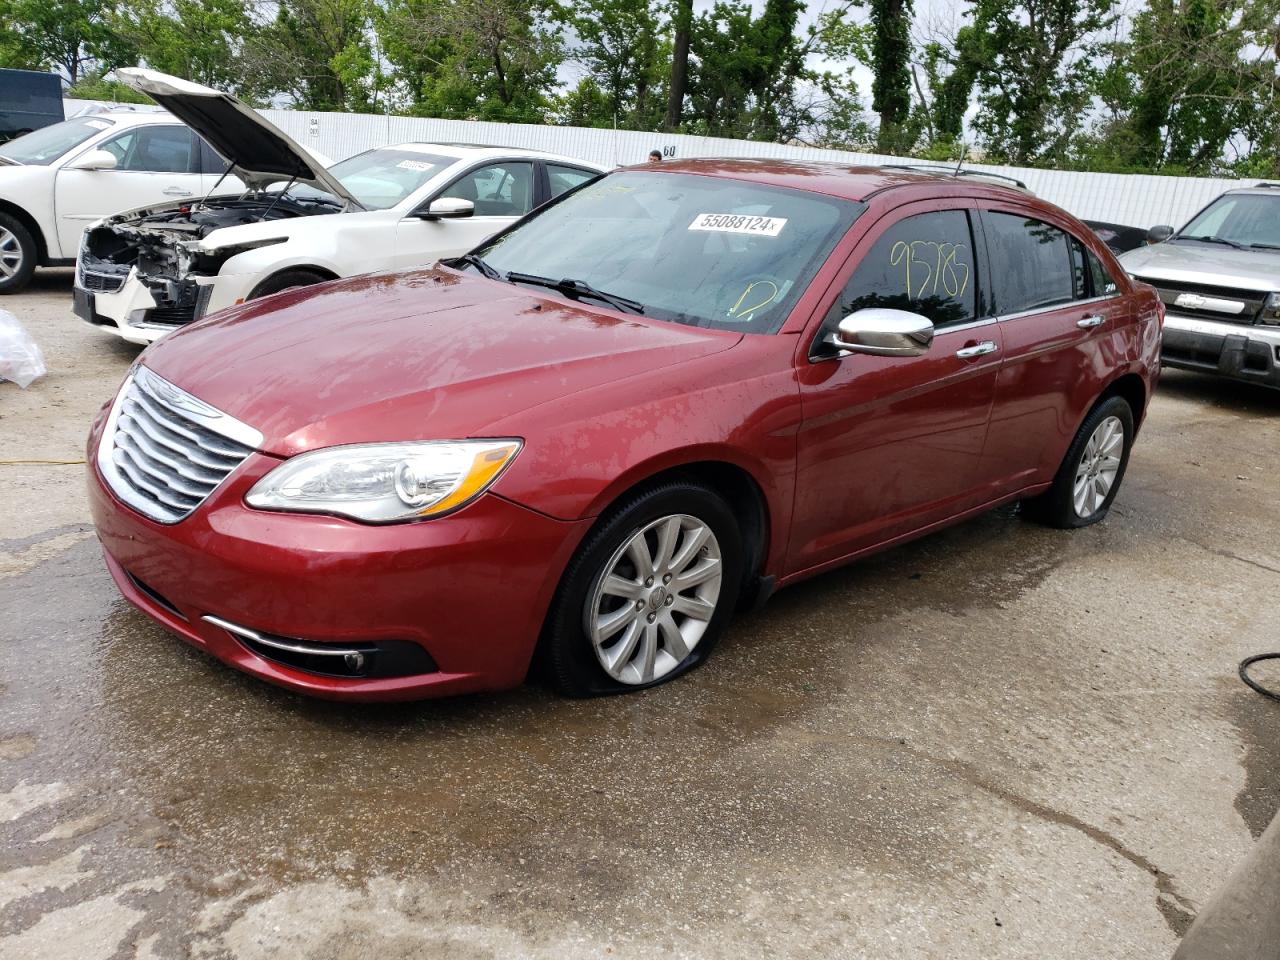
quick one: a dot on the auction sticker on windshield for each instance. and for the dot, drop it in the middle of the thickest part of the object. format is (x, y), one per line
(738, 223)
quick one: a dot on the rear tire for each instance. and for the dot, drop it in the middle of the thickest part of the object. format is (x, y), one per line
(286, 280)
(647, 595)
(1091, 472)
(18, 254)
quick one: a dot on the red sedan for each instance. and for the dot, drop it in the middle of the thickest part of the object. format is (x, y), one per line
(596, 437)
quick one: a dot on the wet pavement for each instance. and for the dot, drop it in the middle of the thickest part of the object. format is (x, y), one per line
(1000, 741)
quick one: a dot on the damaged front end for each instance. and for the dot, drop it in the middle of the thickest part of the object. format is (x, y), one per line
(154, 269)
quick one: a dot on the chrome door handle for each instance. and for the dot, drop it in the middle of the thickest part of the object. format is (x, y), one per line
(176, 192)
(1094, 321)
(977, 350)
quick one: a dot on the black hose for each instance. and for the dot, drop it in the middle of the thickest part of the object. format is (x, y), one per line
(1246, 663)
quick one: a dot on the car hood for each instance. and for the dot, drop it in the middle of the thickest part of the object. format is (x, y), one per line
(1209, 264)
(431, 354)
(259, 152)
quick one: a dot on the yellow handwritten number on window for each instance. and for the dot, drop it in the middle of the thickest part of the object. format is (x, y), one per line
(929, 265)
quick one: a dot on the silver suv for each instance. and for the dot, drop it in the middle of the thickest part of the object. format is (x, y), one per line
(1219, 278)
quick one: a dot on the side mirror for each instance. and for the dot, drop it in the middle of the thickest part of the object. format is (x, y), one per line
(1159, 234)
(447, 208)
(94, 160)
(884, 333)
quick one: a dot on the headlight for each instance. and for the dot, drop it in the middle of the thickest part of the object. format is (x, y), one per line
(385, 482)
(1271, 309)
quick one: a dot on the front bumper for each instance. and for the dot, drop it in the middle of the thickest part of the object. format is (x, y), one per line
(131, 311)
(1241, 352)
(471, 588)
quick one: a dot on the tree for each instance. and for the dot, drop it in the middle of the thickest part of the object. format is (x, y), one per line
(71, 36)
(890, 64)
(480, 59)
(619, 43)
(683, 24)
(199, 40)
(1034, 73)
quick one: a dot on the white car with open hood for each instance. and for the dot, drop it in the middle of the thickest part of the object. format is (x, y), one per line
(144, 273)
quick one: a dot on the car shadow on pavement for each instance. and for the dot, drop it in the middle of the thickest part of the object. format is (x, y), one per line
(1220, 392)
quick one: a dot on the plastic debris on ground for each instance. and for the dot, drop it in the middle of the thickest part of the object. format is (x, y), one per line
(20, 357)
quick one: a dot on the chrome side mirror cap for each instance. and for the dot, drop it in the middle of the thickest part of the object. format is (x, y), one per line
(94, 160)
(447, 208)
(883, 332)
(1160, 233)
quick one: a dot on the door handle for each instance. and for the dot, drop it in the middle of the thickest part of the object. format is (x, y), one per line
(977, 350)
(1095, 321)
(176, 192)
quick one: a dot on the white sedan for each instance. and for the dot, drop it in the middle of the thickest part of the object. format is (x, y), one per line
(57, 180)
(144, 273)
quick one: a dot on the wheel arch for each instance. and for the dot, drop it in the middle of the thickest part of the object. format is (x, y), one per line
(1130, 388)
(323, 273)
(28, 221)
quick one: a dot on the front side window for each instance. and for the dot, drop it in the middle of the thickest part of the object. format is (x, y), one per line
(497, 190)
(379, 179)
(1031, 266)
(42, 147)
(1249, 220)
(923, 264)
(706, 251)
(154, 150)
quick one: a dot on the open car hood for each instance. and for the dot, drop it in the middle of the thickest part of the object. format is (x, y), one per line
(259, 152)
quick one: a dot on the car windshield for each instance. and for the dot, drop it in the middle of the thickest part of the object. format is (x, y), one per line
(1239, 219)
(42, 147)
(381, 178)
(701, 250)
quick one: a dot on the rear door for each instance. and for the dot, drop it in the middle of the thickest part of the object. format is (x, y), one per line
(891, 444)
(1058, 310)
(155, 163)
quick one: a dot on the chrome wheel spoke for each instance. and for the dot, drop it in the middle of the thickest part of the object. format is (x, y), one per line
(694, 607)
(1098, 467)
(670, 566)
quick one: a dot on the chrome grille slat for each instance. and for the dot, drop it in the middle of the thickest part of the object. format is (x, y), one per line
(176, 422)
(164, 452)
(175, 441)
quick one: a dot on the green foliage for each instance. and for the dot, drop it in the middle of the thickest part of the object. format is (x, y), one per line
(67, 35)
(620, 44)
(93, 86)
(198, 40)
(890, 62)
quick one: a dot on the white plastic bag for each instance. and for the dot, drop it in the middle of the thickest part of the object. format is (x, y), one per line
(20, 358)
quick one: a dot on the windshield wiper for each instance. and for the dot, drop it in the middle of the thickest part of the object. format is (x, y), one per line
(577, 288)
(1264, 246)
(477, 261)
(1210, 239)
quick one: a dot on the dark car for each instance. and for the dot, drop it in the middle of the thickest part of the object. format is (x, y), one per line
(28, 101)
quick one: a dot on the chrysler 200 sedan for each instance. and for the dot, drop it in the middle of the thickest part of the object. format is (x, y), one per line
(590, 441)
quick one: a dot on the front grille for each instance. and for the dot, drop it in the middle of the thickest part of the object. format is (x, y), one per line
(164, 451)
(101, 282)
(171, 314)
(1170, 290)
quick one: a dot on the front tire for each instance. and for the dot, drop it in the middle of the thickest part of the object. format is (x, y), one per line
(648, 593)
(1091, 472)
(18, 254)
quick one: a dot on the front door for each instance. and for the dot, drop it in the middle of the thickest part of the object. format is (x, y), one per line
(888, 445)
(155, 164)
(502, 192)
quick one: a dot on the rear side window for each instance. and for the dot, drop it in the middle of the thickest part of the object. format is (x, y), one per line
(1031, 264)
(563, 179)
(923, 264)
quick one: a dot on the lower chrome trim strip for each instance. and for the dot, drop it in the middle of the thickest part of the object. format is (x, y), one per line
(280, 643)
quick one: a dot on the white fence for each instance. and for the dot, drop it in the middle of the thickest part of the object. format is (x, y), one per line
(1131, 199)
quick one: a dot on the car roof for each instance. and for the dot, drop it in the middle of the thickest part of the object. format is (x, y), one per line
(476, 151)
(847, 181)
(1260, 189)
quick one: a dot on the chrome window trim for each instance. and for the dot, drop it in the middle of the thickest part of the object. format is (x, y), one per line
(1065, 305)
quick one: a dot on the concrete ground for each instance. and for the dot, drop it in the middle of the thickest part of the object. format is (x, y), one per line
(1001, 741)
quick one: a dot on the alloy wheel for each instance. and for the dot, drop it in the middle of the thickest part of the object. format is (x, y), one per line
(10, 254)
(654, 599)
(1098, 467)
